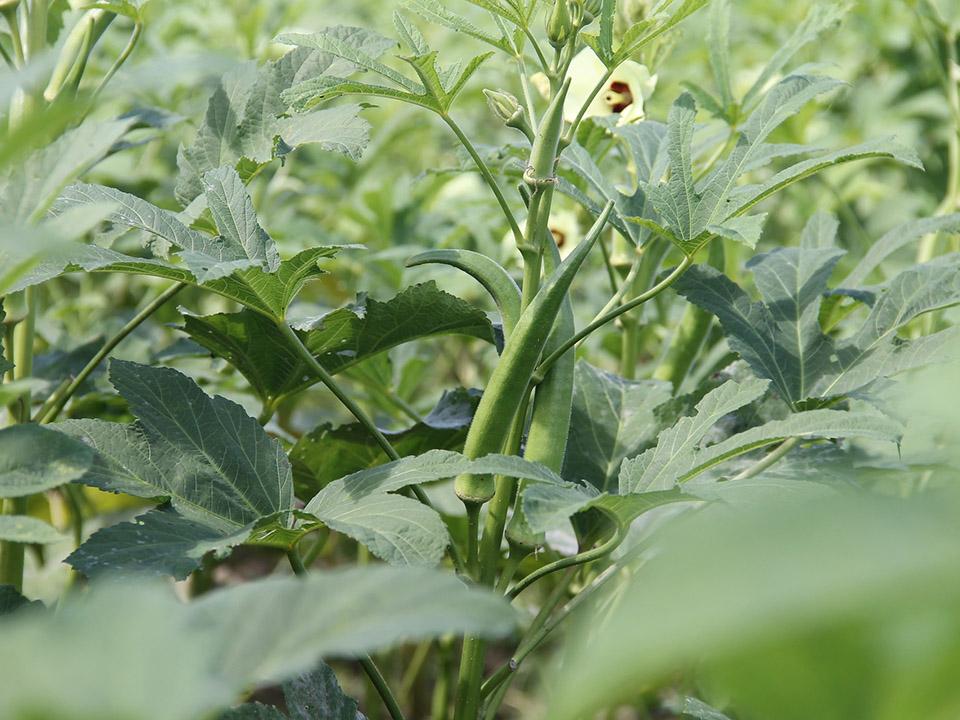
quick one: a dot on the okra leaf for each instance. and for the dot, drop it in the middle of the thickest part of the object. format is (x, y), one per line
(831, 424)
(269, 294)
(547, 506)
(213, 650)
(12, 601)
(206, 257)
(875, 350)
(326, 453)
(640, 34)
(430, 467)
(160, 542)
(310, 93)
(780, 337)
(236, 220)
(718, 41)
(398, 530)
(214, 464)
(820, 18)
(409, 34)
(34, 459)
(796, 583)
(820, 231)
(899, 237)
(363, 54)
(438, 13)
(30, 187)
(339, 339)
(693, 708)
(313, 695)
(28, 530)
(247, 116)
(746, 196)
(664, 465)
(338, 129)
(613, 418)
(279, 626)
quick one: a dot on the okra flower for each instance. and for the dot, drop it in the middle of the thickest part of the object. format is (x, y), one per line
(566, 231)
(624, 94)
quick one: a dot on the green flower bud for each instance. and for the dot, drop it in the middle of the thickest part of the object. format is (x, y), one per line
(506, 107)
(591, 8)
(559, 24)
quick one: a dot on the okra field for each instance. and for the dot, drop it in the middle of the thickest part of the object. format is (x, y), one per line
(480, 359)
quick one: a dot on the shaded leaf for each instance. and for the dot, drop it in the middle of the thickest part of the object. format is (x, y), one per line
(339, 339)
(28, 530)
(663, 466)
(34, 459)
(220, 472)
(327, 453)
(613, 418)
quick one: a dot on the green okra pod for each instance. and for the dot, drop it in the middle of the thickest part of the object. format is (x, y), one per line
(552, 407)
(508, 385)
(487, 272)
(543, 155)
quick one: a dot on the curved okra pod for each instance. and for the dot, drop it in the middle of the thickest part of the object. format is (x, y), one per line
(508, 385)
(487, 272)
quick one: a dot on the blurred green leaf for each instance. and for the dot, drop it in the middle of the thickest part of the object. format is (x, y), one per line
(34, 459)
(794, 610)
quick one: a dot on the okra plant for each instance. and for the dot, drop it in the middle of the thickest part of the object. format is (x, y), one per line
(631, 388)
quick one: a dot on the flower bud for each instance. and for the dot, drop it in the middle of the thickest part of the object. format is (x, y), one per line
(591, 8)
(506, 107)
(559, 24)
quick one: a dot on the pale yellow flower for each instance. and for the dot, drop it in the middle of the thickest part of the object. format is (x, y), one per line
(625, 92)
(566, 231)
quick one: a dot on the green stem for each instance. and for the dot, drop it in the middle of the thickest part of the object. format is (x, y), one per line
(612, 315)
(121, 58)
(383, 689)
(768, 460)
(11, 553)
(538, 633)
(16, 40)
(487, 176)
(296, 562)
(440, 702)
(629, 339)
(55, 404)
(24, 337)
(327, 379)
(579, 559)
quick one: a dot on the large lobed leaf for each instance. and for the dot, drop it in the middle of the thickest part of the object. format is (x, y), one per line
(781, 339)
(339, 339)
(247, 119)
(214, 464)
